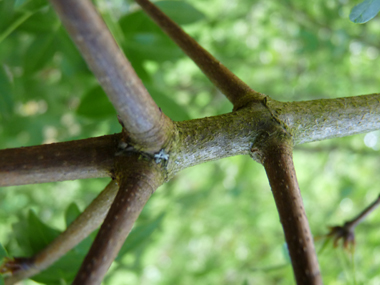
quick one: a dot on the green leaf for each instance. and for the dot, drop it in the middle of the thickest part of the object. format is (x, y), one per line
(172, 109)
(30, 5)
(3, 252)
(41, 21)
(95, 104)
(64, 270)
(139, 234)
(154, 46)
(61, 272)
(15, 23)
(72, 213)
(72, 62)
(33, 235)
(145, 40)
(6, 14)
(180, 12)
(6, 99)
(365, 11)
(39, 53)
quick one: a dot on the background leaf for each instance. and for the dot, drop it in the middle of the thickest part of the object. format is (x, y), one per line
(139, 235)
(40, 51)
(144, 39)
(95, 104)
(6, 91)
(172, 109)
(180, 12)
(3, 252)
(365, 11)
(72, 212)
(33, 235)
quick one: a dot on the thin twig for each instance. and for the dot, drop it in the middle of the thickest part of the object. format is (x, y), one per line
(346, 232)
(147, 126)
(138, 179)
(278, 163)
(359, 218)
(234, 88)
(78, 230)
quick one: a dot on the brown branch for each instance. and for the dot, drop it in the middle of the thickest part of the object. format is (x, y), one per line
(138, 177)
(278, 163)
(234, 88)
(78, 230)
(147, 126)
(346, 232)
(197, 141)
(79, 159)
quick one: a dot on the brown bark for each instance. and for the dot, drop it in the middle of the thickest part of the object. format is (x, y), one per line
(88, 158)
(138, 178)
(278, 163)
(147, 126)
(196, 141)
(229, 84)
(186, 143)
(78, 230)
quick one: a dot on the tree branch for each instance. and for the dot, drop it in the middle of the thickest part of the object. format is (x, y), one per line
(278, 163)
(79, 159)
(78, 230)
(346, 232)
(146, 124)
(228, 83)
(197, 141)
(138, 178)
(317, 120)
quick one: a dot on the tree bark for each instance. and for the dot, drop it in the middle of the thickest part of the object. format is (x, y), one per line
(88, 158)
(138, 178)
(147, 126)
(228, 83)
(278, 163)
(197, 141)
(78, 230)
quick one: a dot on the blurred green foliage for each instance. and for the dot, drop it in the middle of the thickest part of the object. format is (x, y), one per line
(215, 223)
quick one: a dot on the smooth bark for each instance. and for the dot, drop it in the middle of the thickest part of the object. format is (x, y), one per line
(138, 178)
(78, 230)
(88, 158)
(147, 126)
(278, 163)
